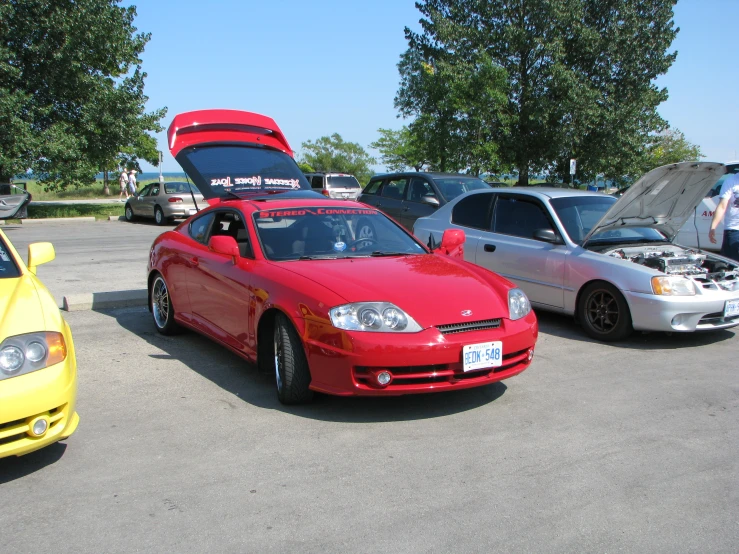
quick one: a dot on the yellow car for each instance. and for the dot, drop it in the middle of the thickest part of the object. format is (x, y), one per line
(38, 368)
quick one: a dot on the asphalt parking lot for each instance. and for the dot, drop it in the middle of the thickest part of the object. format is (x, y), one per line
(183, 447)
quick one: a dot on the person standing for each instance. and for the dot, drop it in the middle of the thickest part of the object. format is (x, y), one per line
(728, 205)
(132, 181)
(123, 182)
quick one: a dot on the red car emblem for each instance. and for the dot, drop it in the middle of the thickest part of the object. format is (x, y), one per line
(466, 313)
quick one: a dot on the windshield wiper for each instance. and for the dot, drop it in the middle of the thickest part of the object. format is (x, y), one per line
(379, 253)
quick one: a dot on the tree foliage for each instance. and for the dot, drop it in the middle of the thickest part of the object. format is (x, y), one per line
(400, 150)
(336, 155)
(578, 77)
(72, 90)
(669, 147)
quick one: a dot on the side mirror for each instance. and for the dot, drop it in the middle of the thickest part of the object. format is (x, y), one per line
(452, 243)
(39, 253)
(547, 235)
(224, 245)
(430, 200)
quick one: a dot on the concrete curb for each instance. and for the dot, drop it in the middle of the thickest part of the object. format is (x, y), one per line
(56, 220)
(105, 300)
(116, 218)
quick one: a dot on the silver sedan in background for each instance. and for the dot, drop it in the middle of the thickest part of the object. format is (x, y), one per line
(609, 262)
(165, 201)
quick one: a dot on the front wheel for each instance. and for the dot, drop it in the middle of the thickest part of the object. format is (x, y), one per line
(129, 213)
(161, 307)
(292, 375)
(604, 313)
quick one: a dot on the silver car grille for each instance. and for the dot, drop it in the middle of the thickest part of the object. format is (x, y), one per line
(468, 326)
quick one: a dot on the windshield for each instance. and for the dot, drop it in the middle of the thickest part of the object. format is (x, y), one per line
(330, 233)
(7, 265)
(342, 182)
(579, 214)
(228, 169)
(451, 187)
(180, 187)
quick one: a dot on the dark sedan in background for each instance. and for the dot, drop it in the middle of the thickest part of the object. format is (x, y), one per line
(407, 196)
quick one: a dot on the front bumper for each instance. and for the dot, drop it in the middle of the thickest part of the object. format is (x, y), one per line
(346, 363)
(651, 312)
(48, 393)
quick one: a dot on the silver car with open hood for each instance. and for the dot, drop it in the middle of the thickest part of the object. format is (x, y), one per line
(611, 263)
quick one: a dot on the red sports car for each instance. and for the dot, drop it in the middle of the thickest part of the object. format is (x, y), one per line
(328, 295)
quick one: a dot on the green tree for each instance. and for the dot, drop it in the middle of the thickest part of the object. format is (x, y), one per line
(579, 75)
(305, 168)
(669, 147)
(400, 150)
(335, 154)
(71, 90)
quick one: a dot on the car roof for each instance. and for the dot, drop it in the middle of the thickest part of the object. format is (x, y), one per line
(545, 192)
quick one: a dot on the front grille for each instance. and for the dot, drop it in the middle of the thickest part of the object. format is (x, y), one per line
(469, 326)
(717, 318)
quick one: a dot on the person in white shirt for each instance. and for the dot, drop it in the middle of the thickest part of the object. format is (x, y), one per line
(728, 206)
(132, 181)
(123, 182)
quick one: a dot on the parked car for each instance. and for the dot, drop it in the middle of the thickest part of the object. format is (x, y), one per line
(610, 263)
(38, 368)
(164, 203)
(278, 274)
(335, 185)
(407, 196)
(13, 201)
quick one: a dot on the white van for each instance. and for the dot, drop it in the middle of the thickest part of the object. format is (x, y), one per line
(688, 235)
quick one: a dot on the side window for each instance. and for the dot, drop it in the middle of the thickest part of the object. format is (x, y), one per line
(473, 211)
(145, 190)
(200, 226)
(154, 191)
(372, 187)
(420, 188)
(395, 188)
(231, 224)
(519, 217)
(316, 181)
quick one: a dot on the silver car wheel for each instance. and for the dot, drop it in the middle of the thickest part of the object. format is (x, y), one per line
(158, 216)
(365, 231)
(279, 357)
(160, 305)
(129, 213)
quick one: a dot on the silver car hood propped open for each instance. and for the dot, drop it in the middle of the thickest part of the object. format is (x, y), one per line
(663, 199)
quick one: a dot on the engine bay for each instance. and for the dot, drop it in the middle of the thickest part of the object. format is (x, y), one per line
(700, 266)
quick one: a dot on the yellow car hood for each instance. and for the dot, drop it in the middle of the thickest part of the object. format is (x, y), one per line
(26, 306)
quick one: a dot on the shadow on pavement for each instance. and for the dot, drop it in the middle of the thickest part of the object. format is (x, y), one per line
(16, 467)
(235, 375)
(564, 326)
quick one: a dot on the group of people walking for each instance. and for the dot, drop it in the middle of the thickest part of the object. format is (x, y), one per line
(127, 181)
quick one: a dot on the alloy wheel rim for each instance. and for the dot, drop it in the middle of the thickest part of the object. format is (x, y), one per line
(159, 216)
(602, 311)
(160, 302)
(129, 213)
(278, 358)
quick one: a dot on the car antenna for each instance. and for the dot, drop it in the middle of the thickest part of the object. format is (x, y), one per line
(192, 193)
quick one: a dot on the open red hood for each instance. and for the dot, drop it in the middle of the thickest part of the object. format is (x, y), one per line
(229, 153)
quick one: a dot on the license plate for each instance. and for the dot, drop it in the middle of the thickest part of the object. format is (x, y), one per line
(479, 356)
(731, 308)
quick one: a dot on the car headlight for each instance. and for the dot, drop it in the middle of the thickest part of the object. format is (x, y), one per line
(518, 304)
(672, 285)
(379, 317)
(22, 354)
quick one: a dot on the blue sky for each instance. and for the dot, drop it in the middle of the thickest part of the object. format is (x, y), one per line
(329, 66)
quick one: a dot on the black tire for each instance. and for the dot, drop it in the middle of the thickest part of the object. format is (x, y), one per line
(160, 303)
(128, 213)
(604, 313)
(365, 230)
(292, 376)
(159, 216)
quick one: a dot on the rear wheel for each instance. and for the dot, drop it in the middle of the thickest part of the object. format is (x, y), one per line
(292, 375)
(159, 216)
(161, 307)
(604, 313)
(129, 213)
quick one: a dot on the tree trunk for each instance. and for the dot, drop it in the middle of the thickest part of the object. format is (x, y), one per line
(523, 174)
(106, 188)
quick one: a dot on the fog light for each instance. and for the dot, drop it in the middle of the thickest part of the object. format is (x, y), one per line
(531, 354)
(677, 321)
(383, 378)
(39, 426)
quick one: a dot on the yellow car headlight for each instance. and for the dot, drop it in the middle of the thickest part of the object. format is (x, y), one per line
(22, 354)
(671, 285)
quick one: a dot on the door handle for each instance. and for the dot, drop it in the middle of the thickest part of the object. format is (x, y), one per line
(489, 248)
(406, 209)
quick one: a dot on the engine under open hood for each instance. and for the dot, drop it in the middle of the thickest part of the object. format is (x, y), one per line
(663, 199)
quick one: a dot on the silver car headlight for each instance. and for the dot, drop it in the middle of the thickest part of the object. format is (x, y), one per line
(672, 285)
(22, 354)
(378, 317)
(518, 304)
